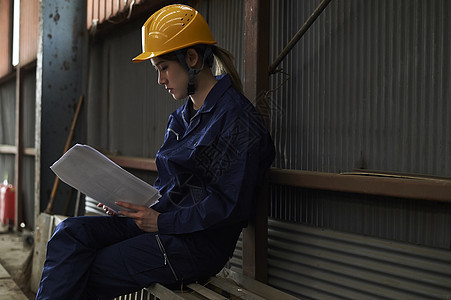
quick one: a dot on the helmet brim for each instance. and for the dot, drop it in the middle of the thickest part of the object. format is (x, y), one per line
(143, 57)
(146, 55)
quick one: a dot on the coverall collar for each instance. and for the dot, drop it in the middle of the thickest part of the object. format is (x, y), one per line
(224, 82)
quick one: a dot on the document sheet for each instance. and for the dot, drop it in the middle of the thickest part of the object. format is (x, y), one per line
(98, 177)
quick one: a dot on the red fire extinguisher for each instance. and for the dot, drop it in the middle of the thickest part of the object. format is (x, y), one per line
(7, 203)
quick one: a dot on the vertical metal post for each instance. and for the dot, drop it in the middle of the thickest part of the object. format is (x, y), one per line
(59, 83)
(256, 61)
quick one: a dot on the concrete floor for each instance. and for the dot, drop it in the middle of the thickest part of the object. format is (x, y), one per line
(15, 265)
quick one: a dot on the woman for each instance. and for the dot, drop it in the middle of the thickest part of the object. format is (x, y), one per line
(214, 155)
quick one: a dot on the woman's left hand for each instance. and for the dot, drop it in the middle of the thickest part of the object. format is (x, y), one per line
(145, 218)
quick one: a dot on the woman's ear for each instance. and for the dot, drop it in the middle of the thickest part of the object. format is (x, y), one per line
(192, 58)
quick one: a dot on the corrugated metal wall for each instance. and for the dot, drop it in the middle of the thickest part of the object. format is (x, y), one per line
(7, 137)
(7, 126)
(418, 222)
(28, 163)
(7, 112)
(226, 20)
(313, 263)
(369, 86)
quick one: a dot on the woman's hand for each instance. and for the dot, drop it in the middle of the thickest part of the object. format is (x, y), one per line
(145, 218)
(107, 210)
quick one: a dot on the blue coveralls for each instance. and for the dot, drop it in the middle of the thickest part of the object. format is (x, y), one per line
(209, 170)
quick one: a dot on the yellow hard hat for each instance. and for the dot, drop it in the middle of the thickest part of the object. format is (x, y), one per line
(171, 28)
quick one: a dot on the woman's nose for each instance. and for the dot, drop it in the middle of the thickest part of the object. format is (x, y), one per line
(161, 79)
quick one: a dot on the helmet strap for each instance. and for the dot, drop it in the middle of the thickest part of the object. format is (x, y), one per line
(192, 72)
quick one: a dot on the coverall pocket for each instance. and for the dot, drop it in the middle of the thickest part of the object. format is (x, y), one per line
(201, 140)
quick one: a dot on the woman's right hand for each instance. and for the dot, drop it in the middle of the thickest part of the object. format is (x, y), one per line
(107, 210)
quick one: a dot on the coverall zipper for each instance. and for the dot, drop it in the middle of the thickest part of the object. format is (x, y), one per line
(166, 259)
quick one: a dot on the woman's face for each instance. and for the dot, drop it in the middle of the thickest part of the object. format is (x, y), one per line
(173, 76)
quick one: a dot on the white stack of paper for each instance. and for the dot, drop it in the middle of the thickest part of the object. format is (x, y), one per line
(98, 177)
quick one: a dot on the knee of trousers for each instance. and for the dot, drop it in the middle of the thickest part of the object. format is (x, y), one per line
(68, 229)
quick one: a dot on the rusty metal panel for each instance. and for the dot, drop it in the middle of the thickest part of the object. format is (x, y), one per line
(60, 82)
(315, 263)
(89, 12)
(5, 37)
(102, 11)
(108, 8)
(115, 5)
(29, 17)
(99, 11)
(368, 86)
(93, 11)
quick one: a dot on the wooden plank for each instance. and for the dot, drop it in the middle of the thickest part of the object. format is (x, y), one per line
(233, 289)
(29, 151)
(255, 286)
(7, 149)
(162, 292)
(202, 290)
(189, 295)
(45, 225)
(9, 290)
(3, 273)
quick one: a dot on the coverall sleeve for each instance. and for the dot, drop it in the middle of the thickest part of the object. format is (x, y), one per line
(241, 156)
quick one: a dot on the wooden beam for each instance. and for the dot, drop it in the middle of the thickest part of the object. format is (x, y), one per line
(138, 163)
(29, 151)
(7, 149)
(409, 187)
(256, 83)
(382, 184)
